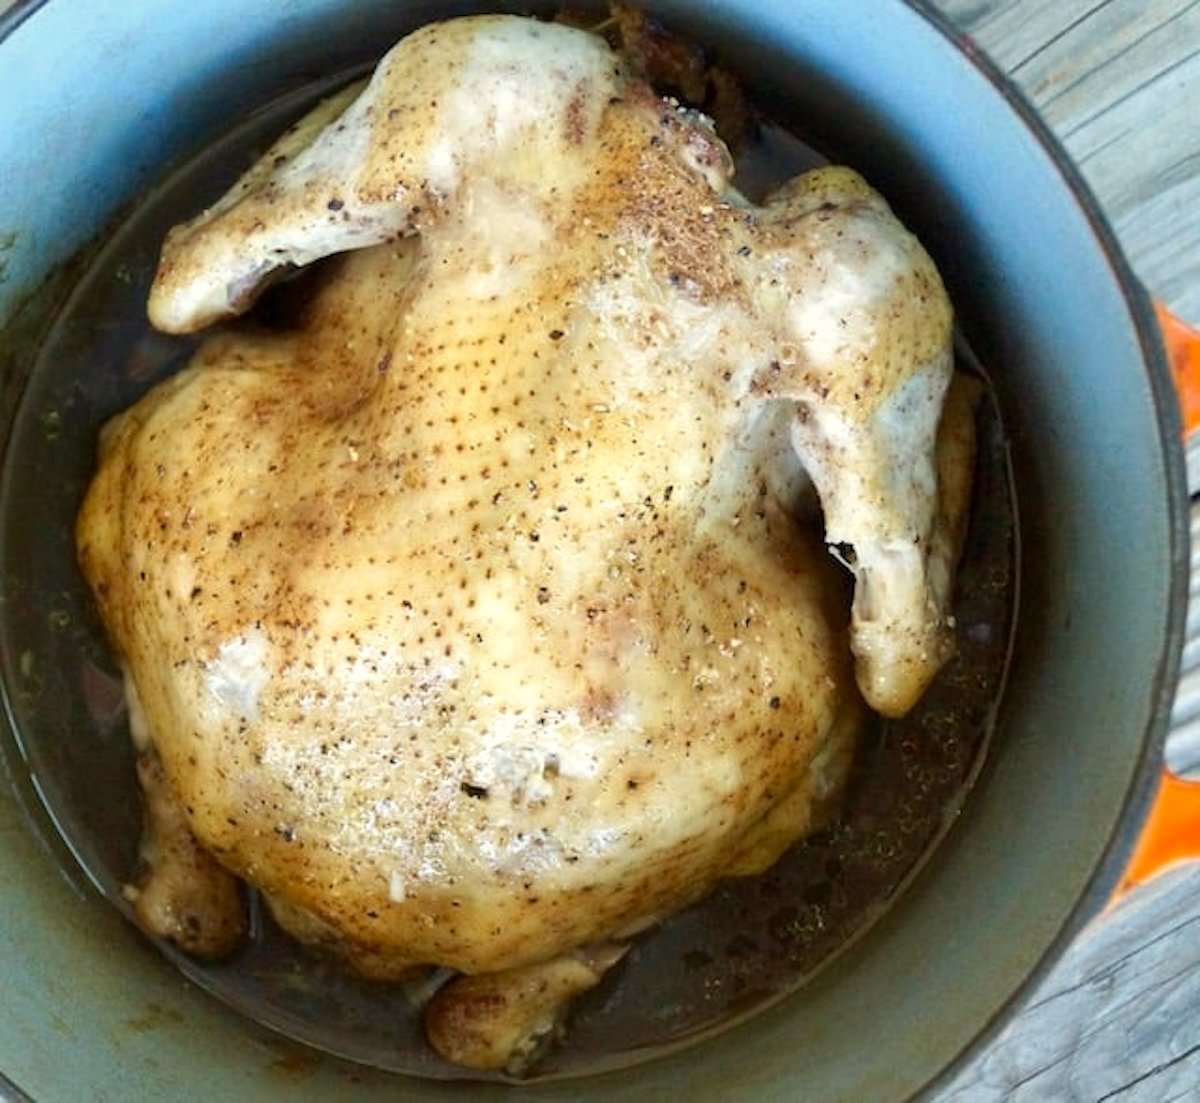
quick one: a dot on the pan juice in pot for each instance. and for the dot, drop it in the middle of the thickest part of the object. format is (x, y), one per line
(752, 941)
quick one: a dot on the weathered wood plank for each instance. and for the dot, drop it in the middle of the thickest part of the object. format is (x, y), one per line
(1116, 1019)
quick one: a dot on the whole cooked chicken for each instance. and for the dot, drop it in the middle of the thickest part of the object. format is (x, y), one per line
(480, 618)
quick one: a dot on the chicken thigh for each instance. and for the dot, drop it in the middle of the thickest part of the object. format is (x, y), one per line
(474, 618)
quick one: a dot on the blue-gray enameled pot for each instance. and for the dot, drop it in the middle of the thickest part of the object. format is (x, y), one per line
(97, 99)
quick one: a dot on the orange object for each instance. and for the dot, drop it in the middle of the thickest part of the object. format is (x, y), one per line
(1171, 833)
(1183, 350)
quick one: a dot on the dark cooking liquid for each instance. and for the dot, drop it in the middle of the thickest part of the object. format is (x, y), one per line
(750, 942)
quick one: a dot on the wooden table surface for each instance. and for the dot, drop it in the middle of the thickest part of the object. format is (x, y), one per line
(1119, 83)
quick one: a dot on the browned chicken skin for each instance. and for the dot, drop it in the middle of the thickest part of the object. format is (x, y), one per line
(471, 619)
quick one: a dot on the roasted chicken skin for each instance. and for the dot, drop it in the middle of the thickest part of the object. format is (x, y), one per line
(475, 619)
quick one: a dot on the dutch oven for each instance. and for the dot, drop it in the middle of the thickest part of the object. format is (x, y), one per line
(97, 100)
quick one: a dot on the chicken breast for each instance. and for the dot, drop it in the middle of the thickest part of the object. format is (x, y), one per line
(477, 618)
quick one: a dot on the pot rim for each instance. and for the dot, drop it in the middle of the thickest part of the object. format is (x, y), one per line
(16, 13)
(1119, 847)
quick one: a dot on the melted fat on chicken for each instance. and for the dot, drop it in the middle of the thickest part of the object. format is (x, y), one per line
(471, 619)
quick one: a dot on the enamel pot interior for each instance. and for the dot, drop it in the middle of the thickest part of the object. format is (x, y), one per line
(96, 99)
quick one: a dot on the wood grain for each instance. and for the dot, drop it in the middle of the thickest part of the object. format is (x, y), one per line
(1118, 81)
